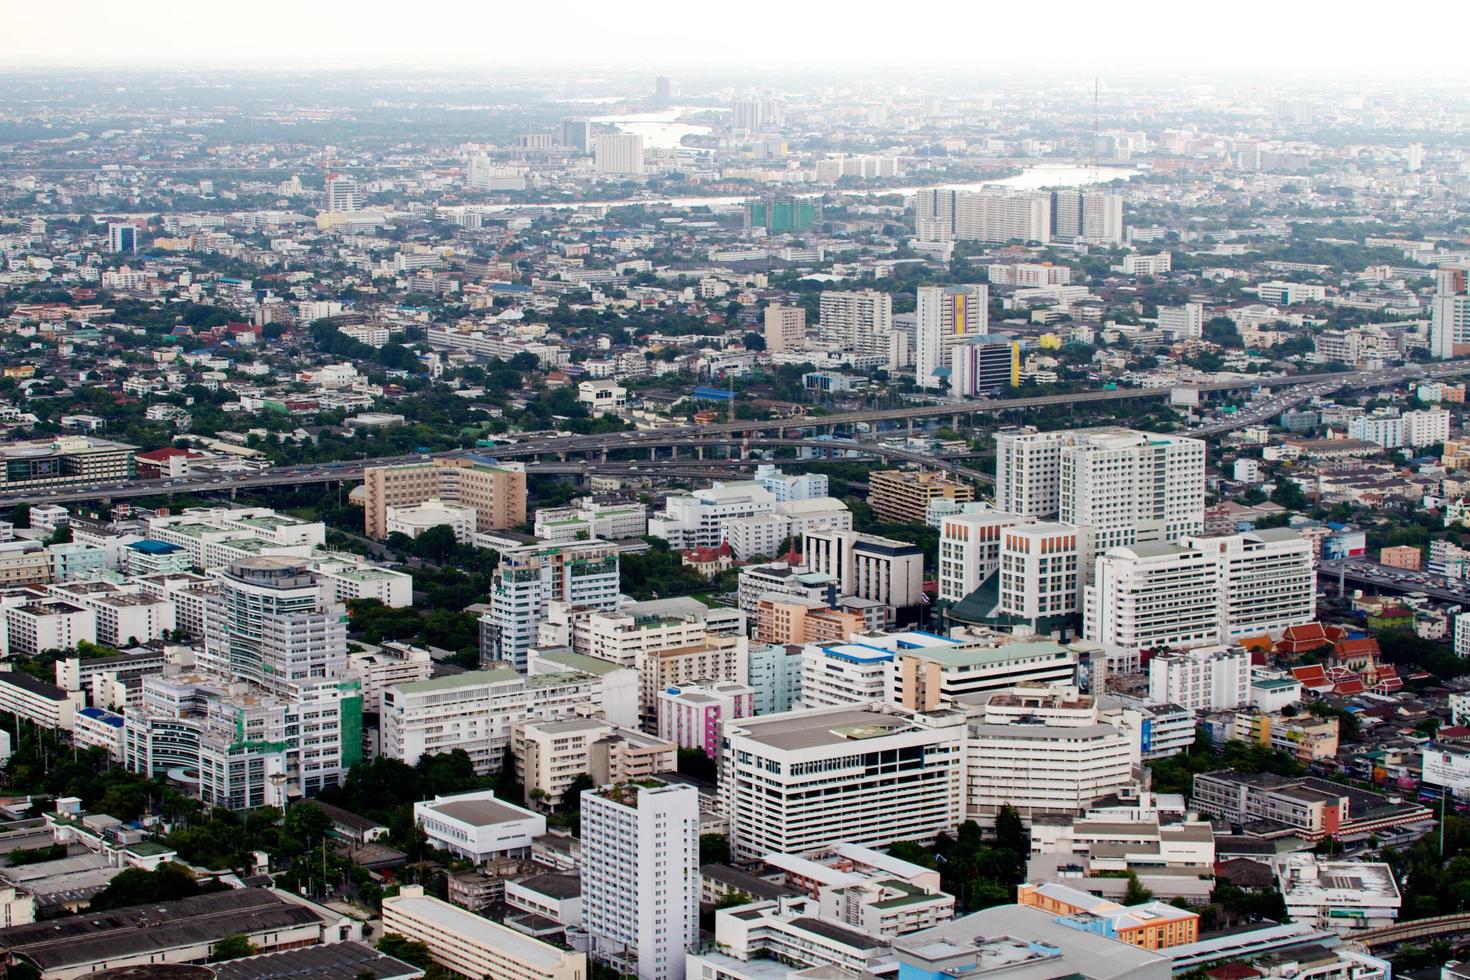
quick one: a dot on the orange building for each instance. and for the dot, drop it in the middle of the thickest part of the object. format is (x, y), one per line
(1403, 556)
(1151, 925)
(497, 493)
(787, 621)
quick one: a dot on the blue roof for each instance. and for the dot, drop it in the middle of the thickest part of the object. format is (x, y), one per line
(106, 717)
(151, 547)
(708, 394)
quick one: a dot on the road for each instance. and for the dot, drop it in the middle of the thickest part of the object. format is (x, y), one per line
(747, 434)
(1362, 571)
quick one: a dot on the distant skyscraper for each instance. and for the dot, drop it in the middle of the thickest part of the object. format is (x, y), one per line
(122, 238)
(576, 133)
(785, 327)
(1415, 156)
(942, 215)
(755, 115)
(663, 90)
(619, 153)
(1091, 215)
(341, 193)
(863, 323)
(946, 315)
(781, 215)
(1449, 324)
(640, 875)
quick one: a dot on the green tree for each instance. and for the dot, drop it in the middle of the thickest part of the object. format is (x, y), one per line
(232, 947)
(714, 849)
(135, 886)
(1136, 893)
(20, 515)
(401, 948)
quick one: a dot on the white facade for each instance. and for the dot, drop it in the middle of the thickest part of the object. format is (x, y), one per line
(859, 321)
(478, 826)
(640, 874)
(1346, 897)
(945, 317)
(969, 550)
(528, 581)
(618, 154)
(1182, 322)
(785, 487)
(866, 775)
(697, 520)
(1041, 570)
(1151, 596)
(602, 398)
(1211, 678)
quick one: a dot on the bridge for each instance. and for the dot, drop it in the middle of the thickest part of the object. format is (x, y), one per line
(1382, 578)
(747, 434)
(1437, 927)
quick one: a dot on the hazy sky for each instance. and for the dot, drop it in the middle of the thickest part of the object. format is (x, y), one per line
(1248, 36)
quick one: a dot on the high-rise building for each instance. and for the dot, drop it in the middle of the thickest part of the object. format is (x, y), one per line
(663, 90)
(859, 774)
(984, 364)
(785, 327)
(576, 134)
(946, 316)
(640, 876)
(497, 493)
(341, 193)
(1211, 678)
(904, 496)
(982, 216)
(1041, 570)
(122, 237)
(782, 215)
(1185, 322)
(867, 566)
(863, 323)
(527, 581)
(755, 115)
(1449, 325)
(1094, 216)
(1127, 486)
(619, 154)
(969, 550)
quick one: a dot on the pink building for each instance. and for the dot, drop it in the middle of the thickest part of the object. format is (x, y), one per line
(690, 715)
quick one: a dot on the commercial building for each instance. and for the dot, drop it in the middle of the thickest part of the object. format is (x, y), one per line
(1311, 808)
(714, 659)
(969, 550)
(926, 678)
(478, 826)
(945, 316)
(65, 461)
(474, 946)
(862, 322)
(867, 775)
(640, 876)
(690, 715)
(984, 364)
(497, 493)
(476, 711)
(774, 673)
(526, 583)
(1150, 925)
(1213, 678)
(903, 496)
(618, 154)
(122, 237)
(869, 567)
(550, 755)
(1185, 322)
(1346, 897)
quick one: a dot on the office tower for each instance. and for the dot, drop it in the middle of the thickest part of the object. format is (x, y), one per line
(865, 774)
(1449, 325)
(497, 493)
(982, 216)
(861, 322)
(640, 876)
(1415, 156)
(341, 193)
(1185, 322)
(1213, 678)
(984, 364)
(785, 327)
(271, 625)
(528, 580)
(576, 134)
(663, 90)
(619, 153)
(1129, 487)
(122, 238)
(755, 115)
(1093, 216)
(781, 215)
(946, 315)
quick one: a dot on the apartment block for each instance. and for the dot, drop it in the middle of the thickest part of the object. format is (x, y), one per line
(903, 496)
(496, 493)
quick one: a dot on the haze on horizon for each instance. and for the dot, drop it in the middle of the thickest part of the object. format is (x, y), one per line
(1254, 38)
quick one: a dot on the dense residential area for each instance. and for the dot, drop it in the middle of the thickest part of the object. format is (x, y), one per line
(595, 524)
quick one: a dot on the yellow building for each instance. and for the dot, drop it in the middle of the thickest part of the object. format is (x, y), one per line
(497, 493)
(902, 496)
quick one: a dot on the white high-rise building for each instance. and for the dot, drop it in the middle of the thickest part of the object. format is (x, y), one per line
(861, 322)
(1213, 678)
(969, 550)
(342, 194)
(857, 774)
(796, 486)
(982, 216)
(1041, 570)
(867, 566)
(1185, 322)
(640, 876)
(946, 316)
(697, 519)
(1449, 324)
(527, 581)
(619, 154)
(1094, 216)
(755, 115)
(1268, 580)
(1126, 486)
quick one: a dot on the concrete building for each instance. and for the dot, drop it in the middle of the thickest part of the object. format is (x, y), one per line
(42, 704)
(1150, 925)
(926, 678)
(774, 673)
(865, 774)
(1211, 678)
(618, 154)
(785, 328)
(946, 316)
(529, 580)
(474, 946)
(868, 567)
(982, 216)
(1185, 322)
(1086, 215)
(550, 755)
(477, 826)
(691, 715)
(862, 322)
(640, 881)
(497, 494)
(415, 520)
(969, 550)
(64, 461)
(697, 519)
(1346, 897)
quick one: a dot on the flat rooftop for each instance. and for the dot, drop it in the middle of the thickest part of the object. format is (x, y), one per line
(478, 929)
